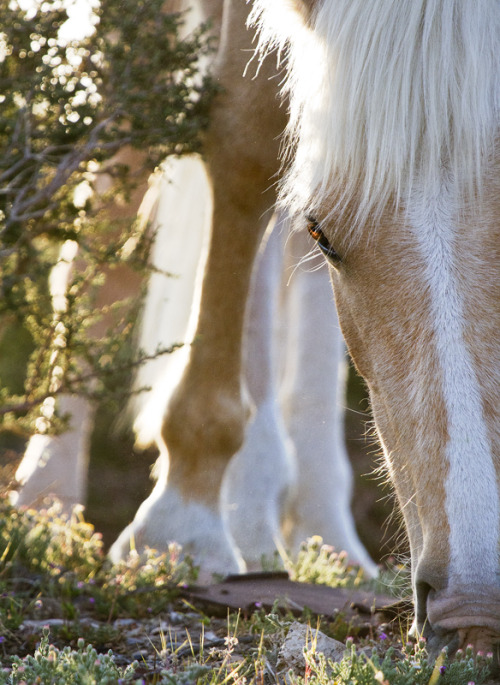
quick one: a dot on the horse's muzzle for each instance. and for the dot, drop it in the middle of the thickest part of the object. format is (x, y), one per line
(459, 617)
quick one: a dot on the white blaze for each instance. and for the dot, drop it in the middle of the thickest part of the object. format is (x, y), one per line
(472, 504)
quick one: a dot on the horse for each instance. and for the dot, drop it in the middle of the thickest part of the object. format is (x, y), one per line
(391, 157)
(291, 479)
(285, 484)
(393, 140)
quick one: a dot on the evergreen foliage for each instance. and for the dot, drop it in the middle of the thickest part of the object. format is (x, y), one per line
(66, 108)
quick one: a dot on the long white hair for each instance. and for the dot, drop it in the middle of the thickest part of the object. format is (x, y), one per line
(385, 93)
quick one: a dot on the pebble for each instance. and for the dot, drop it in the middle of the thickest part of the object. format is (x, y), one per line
(301, 637)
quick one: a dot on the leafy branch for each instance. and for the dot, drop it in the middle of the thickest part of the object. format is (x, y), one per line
(67, 108)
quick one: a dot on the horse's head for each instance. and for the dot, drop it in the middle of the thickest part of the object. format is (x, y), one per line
(419, 305)
(394, 110)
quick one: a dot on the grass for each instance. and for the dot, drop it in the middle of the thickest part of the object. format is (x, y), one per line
(67, 616)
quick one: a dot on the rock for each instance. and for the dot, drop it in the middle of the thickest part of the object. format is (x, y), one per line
(124, 622)
(301, 638)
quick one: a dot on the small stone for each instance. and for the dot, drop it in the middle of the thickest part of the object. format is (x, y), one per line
(140, 654)
(302, 637)
(162, 627)
(176, 618)
(123, 622)
(51, 622)
(133, 640)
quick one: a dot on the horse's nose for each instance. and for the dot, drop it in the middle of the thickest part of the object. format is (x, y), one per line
(455, 615)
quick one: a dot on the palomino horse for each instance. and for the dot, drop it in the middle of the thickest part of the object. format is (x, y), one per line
(395, 171)
(292, 472)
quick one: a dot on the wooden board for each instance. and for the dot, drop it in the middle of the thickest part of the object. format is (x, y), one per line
(253, 591)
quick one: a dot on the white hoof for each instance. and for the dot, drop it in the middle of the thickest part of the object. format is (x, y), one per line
(165, 517)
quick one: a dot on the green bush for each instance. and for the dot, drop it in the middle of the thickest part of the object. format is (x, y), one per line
(66, 108)
(53, 666)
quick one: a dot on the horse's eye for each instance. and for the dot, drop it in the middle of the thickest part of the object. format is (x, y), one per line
(321, 241)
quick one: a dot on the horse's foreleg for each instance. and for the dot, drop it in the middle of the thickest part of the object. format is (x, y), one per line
(261, 474)
(56, 465)
(207, 413)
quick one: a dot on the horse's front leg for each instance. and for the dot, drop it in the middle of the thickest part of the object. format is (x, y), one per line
(262, 474)
(206, 416)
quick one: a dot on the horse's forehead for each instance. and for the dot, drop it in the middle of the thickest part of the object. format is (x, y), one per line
(346, 122)
(471, 223)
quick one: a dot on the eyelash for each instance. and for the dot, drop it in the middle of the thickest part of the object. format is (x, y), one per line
(319, 237)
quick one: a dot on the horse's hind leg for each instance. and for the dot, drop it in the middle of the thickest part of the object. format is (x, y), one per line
(207, 413)
(313, 397)
(261, 475)
(55, 466)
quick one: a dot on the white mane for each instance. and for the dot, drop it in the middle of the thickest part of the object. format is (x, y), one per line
(383, 93)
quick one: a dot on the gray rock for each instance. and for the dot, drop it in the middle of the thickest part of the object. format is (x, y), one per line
(301, 638)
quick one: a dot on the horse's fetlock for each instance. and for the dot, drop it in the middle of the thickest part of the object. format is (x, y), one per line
(212, 427)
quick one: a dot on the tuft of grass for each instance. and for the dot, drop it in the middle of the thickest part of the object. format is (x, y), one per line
(413, 667)
(48, 542)
(83, 666)
(142, 584)
(318, 563)
(321, 564)
(47, 556)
